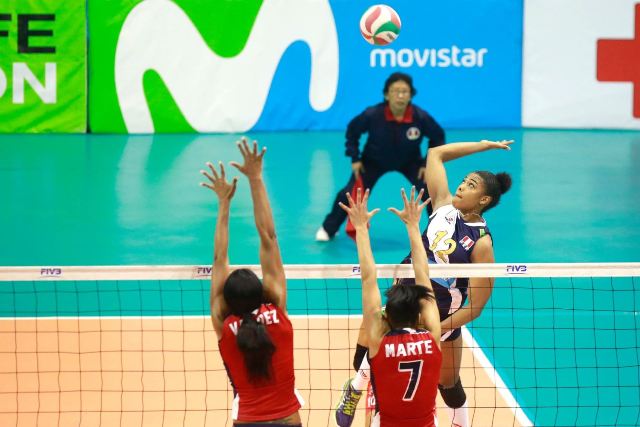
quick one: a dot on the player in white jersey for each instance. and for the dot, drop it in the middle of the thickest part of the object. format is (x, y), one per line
(457, 233)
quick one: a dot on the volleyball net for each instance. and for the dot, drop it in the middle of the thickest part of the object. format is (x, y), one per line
(558, 344)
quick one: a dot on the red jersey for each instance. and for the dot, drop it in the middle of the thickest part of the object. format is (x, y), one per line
(269, 400)
(404, 377)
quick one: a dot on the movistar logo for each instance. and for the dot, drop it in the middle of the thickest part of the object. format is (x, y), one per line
(217, 94)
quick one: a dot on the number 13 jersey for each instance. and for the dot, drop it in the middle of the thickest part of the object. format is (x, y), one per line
(450, 240)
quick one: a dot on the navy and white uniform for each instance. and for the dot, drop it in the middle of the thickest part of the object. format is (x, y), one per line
(450, 240)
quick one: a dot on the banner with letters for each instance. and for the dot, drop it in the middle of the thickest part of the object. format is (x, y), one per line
(582, 64)
(43, 66)
(220, 66)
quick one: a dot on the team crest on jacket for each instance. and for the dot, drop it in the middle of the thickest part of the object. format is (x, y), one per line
(413, 133)
(467, 242)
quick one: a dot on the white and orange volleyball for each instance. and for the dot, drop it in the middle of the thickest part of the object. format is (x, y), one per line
(380, 25)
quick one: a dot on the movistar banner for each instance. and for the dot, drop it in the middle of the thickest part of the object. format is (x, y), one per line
(222, 66)
(43, 66)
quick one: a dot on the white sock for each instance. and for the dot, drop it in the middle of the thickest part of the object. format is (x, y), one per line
(459, 416)
(361, 380)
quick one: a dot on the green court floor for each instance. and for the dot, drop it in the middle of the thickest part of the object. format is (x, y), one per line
(96, 200)
(126, 200)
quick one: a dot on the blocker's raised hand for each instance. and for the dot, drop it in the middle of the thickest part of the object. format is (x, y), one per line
(413, 207)
(218, 182)
(252, 166)
(357, 210)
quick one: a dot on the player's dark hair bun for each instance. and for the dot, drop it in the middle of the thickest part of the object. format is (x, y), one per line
(495, 185)
(504, 180)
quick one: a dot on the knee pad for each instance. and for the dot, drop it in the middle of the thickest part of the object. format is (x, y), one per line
(359, 355)
(454, 397)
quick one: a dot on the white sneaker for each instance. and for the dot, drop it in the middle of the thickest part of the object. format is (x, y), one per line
(322, 235)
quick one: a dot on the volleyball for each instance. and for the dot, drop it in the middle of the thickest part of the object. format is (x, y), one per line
(380, 25)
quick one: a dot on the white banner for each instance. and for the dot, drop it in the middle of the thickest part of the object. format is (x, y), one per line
(580, 60)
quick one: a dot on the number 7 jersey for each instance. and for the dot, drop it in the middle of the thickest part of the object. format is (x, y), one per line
(404, 377)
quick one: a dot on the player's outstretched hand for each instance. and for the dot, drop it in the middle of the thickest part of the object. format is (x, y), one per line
(357, 210)
(413, 207)
(218, 182)
(252, 166)
(502, 145)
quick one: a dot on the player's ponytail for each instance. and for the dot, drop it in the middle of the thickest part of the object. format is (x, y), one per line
(257, 348)
(243, 294)
(495, 186)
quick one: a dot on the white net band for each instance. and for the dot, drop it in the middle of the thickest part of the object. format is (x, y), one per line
(316, 271)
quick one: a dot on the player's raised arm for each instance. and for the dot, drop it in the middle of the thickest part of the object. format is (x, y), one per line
(480, 288)
(371, 299)
(274, 281)
(224, 191)
(437, 183)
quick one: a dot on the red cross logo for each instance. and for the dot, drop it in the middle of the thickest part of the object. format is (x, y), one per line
(619, 61)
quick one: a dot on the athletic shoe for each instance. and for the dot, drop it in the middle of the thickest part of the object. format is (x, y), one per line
(346, 410)
(322, 235)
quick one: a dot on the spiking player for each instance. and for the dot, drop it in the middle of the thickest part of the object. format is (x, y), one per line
(456, 234)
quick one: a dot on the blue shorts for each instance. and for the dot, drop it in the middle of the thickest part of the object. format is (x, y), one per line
(449, 301)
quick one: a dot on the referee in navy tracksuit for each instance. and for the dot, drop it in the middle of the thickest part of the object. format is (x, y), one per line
(395, 130)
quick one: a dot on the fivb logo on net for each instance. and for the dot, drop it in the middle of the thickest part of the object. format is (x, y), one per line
(50, 272)
(217, 94)
(202, 271)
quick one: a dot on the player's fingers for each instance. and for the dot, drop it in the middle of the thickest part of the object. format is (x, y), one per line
(245, 145)
(222, 174)
(209, 177)
(412, 193)
(204, 184)
(366, 197)
(426, 202)
(234, 185)
(237, 166)
(373, 212)
(255, 148)
(264, 150)
(419, 197)
(394, 210)
(214, 172)
(350, 199)
(404, 196)
(241, 148)
(359, 195)
(344, 207)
